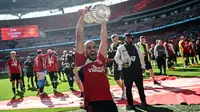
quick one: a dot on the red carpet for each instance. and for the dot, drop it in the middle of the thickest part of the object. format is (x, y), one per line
(171, 91)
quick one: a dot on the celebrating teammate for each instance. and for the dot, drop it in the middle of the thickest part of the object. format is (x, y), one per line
(39, 69)
(52, 69)
(14, 72)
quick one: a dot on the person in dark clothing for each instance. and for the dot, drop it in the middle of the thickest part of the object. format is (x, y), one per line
(61, 72)
(171, 53)
(197, 48)
(118, 75)
(176, 50)
(28, 64)
(17, 83)
(161, 54)
(131, 62)
(68, 66)
(109, 64)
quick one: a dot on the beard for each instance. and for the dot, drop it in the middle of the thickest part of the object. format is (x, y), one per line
(92, 56)
(129, 42)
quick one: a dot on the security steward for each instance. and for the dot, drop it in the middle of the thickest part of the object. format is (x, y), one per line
(131, 62)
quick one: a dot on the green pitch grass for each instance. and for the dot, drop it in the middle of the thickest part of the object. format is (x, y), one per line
(155, 108)
(7, 94)
(6, 91)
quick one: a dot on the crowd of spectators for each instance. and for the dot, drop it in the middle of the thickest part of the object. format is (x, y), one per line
(92, 32)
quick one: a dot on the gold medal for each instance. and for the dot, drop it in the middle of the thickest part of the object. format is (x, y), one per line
(75, 70)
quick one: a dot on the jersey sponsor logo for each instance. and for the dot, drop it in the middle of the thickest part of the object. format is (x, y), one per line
(14, 63)
(96, 69)
(50, 61)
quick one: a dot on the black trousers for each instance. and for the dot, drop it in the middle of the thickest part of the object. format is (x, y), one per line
(61, 71)
(196, 59)
(70, 76)
(170, 61)
(161, 62)
(199, 55)
(30, 76)
(133, 75)
(186, 58)
(102, 106)
(54, 79)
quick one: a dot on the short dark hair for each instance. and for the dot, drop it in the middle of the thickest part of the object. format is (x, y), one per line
(39, 52)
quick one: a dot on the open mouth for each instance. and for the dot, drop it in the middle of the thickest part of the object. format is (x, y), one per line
(93, 53)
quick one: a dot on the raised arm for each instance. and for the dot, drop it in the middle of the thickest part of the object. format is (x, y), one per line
(80, 32)
(45, 55)
(118, 57)
(104, 40)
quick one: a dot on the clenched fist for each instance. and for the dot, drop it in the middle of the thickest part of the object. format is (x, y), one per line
(125, 65)
(82, 12)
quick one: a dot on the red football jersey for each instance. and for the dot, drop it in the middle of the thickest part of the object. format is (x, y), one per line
(93, 77)
(39, 63)
(13, 65)
(51, 63)
(191, 48)
(185, 47)
(169, 49)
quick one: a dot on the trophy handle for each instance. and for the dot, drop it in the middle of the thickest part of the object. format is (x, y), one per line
(88, 18)
(89, 8)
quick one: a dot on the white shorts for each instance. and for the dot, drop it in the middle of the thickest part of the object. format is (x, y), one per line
(40, 75)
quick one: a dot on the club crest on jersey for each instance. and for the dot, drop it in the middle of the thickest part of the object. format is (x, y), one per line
(96, 69)
(14, 64)
(99, 62)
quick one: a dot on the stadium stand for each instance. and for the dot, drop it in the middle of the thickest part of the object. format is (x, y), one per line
(60, 28)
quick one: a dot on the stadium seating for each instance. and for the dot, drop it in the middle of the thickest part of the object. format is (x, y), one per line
(70, 20)
(68, 35)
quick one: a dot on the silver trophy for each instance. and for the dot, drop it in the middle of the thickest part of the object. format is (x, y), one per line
(97, 13)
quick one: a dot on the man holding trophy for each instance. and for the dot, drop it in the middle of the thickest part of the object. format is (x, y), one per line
(90, 62)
